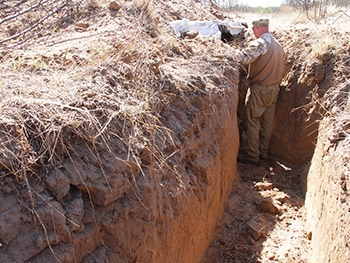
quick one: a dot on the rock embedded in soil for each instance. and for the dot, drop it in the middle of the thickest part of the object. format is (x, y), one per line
(263, 186)
(114, 6)
(267, 205)
(256, 229)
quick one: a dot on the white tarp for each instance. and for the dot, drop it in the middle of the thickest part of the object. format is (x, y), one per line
(206, 28)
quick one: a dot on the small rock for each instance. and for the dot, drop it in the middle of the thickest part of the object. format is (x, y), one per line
(190, 34)
(256, 230)
(281, 217)
(267, 205)
(82, 25)
(114, 6)
(262, 186)
(270, 256)
(309, 235)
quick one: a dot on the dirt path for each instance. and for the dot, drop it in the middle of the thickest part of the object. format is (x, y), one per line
(264, 220)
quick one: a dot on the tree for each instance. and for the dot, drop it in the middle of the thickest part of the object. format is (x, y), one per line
(316, 9)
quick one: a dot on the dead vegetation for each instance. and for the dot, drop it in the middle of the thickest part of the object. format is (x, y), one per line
(104, 84)
(45, 107)
(48, 99)
(81, 109)
(105, 96)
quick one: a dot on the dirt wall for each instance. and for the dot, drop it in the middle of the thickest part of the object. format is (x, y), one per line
(123, 146)
(328, 196)
(297, 112)
(156, 199)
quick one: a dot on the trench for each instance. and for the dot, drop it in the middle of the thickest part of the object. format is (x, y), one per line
(280, 213)
(291, 208)
(265, 216)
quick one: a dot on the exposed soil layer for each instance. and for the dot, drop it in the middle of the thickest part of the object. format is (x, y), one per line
(328, 197)
(119, 142)
(116, 137)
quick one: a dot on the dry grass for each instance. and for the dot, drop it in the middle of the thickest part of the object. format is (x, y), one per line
(45, 104)
(93, 93)
(53, 99)
(323, 46)
(49, 97)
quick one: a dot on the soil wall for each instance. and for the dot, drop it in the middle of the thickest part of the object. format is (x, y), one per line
(132, 156)
(328, 196)
(153, 200)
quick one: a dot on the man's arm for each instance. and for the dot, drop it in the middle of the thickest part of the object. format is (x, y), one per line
(252, 52)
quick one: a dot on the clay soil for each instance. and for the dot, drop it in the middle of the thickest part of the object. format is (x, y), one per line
(265, 216)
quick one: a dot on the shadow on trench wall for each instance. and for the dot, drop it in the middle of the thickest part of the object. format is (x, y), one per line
(295, 127)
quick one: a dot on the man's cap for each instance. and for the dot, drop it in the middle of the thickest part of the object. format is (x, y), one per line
(261, 22)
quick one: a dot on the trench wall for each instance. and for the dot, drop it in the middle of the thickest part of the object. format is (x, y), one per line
(156, 200)
(328, 195)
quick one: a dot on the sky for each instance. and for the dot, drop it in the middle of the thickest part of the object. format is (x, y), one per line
(262, 3)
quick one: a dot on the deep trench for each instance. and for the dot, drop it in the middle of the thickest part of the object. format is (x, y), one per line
(265, 216)
(294, 207)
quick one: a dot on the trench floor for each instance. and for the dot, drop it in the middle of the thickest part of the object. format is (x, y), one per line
(265, 218)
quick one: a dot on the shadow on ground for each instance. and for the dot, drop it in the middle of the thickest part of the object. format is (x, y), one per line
(264, 220)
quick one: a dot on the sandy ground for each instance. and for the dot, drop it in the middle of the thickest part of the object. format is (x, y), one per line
(264, 220)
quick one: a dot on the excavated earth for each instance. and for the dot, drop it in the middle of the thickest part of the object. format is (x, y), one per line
(119, 141)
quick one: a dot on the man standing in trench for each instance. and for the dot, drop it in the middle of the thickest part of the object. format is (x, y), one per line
(265, 57)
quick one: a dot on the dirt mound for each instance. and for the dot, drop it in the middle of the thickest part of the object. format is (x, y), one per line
(116, 137)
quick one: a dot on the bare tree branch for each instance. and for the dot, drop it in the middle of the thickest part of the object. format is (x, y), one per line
(20, 2)
(22, 12)
(17, 22)
(343, 13)
(35, 25)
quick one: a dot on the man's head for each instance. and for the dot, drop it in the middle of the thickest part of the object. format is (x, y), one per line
(260, 27)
